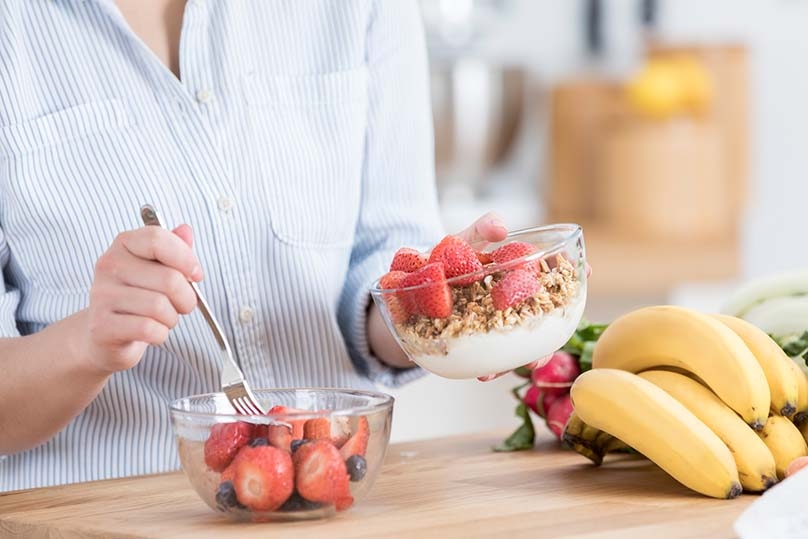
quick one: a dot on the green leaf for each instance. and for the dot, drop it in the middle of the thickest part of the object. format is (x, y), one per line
(585, 361)
(523, 437)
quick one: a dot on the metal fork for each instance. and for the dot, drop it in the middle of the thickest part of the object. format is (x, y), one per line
(234, 386)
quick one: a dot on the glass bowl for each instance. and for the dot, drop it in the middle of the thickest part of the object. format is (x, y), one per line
(512, 311)
(316, 452)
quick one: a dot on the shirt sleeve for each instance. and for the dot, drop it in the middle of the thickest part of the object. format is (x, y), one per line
(9, 297)
(399, 204)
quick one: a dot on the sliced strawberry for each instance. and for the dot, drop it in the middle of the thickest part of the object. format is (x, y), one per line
(458, 258)
(434, 299)
(340, 430)
(407, 260)
(396, 304)
(320, 473)
(514, 288)
(297, 424)
(514, 250)
(229, 473)
(264, 477)
(344, 502)
(224, 442)
(358, 443)
(280, 436)
(318, 428)
(261, 431)
(484, 258)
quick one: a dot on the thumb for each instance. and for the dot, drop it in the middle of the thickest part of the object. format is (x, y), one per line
(186, 233)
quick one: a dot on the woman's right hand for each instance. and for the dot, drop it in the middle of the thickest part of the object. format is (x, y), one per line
(139, 290)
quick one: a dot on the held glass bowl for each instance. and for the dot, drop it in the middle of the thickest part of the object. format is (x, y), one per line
(523, 305)
(290, 464)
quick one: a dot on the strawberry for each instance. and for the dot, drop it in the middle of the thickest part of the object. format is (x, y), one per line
(264, 477)
(224, 442)
(484, 258)
(261, 431)
(396, 303)
(407, 260)
(515, 287)
(320, 474)
(297, 425)
(318, 428)
(358, 443)
(340, 430)
(458, 258)
(434, 299)
(514, 250)
(280, 436)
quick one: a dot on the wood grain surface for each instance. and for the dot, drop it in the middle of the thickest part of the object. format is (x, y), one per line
(450, 487)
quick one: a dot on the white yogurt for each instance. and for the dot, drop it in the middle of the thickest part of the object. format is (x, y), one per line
(497, 351)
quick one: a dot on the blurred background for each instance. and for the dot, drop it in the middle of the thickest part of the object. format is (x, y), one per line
(674, 131)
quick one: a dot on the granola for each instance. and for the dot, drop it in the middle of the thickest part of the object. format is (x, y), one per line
(473, 310)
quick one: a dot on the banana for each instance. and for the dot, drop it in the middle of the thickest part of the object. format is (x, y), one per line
(784, 440)
(586, 440)
(801, 413)
(658, 426)
(774, 362)
(755, 463)
(668, 336)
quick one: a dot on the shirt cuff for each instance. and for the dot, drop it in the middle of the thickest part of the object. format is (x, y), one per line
(353, 320)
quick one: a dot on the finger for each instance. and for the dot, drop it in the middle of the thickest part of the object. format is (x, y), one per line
(489, 377)
(133, 272)
(155, 243)
(128, 328)
(489, 228)
(186, 234)
(588, 271)
(141, 302)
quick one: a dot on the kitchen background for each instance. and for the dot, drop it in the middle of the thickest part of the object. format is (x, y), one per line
(675, 132)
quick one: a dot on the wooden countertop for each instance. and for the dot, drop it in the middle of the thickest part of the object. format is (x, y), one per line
(449, 487)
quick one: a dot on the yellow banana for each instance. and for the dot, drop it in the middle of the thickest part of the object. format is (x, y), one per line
(801, 414)
(773, 361)
(588, 441)
(755, 463)
(662, 336)
(784, 440)
(658, 426)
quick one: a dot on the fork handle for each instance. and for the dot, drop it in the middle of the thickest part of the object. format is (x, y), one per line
(150, 217)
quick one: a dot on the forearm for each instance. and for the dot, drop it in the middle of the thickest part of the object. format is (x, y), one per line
(46, 382)
(382, 343)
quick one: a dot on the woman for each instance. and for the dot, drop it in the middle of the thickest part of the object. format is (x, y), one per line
(294, 135)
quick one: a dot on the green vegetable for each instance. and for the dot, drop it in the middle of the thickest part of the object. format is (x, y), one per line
(523, 437)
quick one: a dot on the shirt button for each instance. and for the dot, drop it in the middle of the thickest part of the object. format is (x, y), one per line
(246, 314)
(204, 96)
(225, 203)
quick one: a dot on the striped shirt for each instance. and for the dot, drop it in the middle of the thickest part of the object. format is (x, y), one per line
(297, 143)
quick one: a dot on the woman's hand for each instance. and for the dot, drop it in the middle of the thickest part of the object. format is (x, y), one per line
(139, 290)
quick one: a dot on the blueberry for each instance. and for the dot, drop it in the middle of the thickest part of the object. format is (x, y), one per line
(357, 467)
(258, 442)
(298, 503)
(226, 497)
(296, 444)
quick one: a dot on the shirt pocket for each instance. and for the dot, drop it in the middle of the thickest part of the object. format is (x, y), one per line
(69, 182)
(67, 125)
(309, 134)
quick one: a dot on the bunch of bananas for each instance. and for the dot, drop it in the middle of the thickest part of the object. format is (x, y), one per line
(711, 399)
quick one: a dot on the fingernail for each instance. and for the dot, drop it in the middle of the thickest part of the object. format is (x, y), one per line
(497, 223)
(196, 273)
